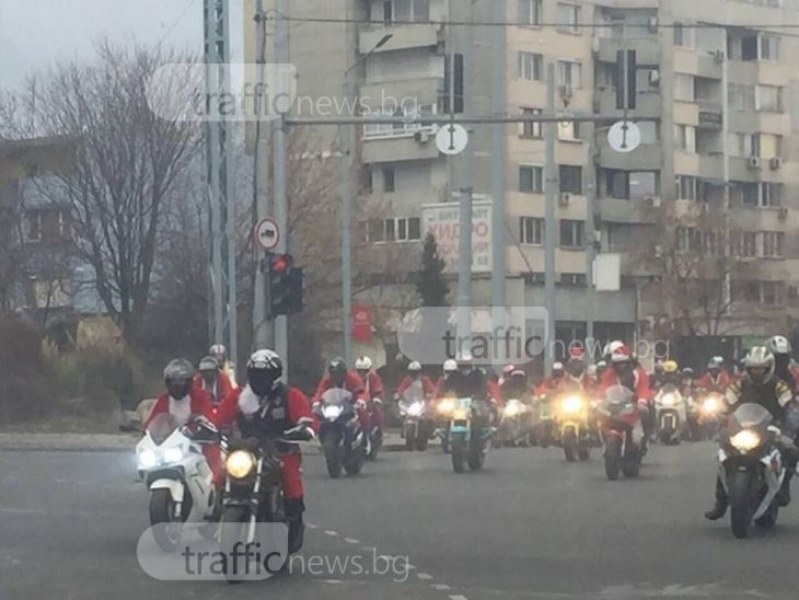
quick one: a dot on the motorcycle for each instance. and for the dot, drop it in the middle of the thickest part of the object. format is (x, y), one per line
(178, 477)
(418, 425)
(253, 494)
(443, 411)
(711, 408)
(573, 419)
(670, 414)
(343, 441)
(515, 425)
(469, 433)
(545, 428)
(751, 468)
(622, 433)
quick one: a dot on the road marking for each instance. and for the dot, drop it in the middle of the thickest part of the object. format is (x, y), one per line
(440, 587)
(457, 597)
(351, 541)
(424, 576)
(332, 581)
(331, 533)
(311, 526)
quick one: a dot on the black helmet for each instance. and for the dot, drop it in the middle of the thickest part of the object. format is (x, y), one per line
(264, 370)
(178, 376)
(337, 365)
(575, 367)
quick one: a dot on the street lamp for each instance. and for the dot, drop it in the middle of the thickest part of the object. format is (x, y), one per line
(347, 145)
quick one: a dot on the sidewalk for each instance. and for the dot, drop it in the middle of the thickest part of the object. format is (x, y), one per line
(105, 442)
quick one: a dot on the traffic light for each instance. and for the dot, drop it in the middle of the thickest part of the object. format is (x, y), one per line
(284, 282)
(626, 79)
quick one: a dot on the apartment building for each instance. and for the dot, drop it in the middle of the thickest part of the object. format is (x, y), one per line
(717, 102)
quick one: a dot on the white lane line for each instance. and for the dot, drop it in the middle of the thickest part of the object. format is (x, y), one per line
(457, 597)
(351, 541)
(424, 576)
(332, 581)
(311, 526)
(331, 533)
(441, 587)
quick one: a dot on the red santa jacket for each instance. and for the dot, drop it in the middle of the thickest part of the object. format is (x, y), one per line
(199, 402)
(223, 387)
(641, 382)
(428, 387)
(352, 383)
(373, 386)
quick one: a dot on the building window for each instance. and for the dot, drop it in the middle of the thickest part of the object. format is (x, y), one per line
(531, 231)
(771, 292)
(769, 47)
(569, 131)
(685, 137)
(749, 244)
(49, 225)
(572, 233)
(531, 179)
(684, 36)
(570, 73)
(741, 96)
(573, 279)
(398, 229)
(531, 66)
(568, 18)
(35, 226)
(773, 244)
(689, 240)
(632, 185)
(530, 130)
(768, 98)
(417, 11)
(766, 145)
(530, 12)
(388, 179)
(571, 179)
(756, 195)
(687, 187)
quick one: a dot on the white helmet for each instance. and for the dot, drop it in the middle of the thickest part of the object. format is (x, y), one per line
(779, 344)
(558, 366)
(450, 365)
(415, 366)
(591, 371)
(761, 361)
(363, 364)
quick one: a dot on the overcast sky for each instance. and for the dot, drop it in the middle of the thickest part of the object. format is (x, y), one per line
(36, 33)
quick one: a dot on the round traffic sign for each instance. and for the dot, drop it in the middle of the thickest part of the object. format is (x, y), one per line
(267, 234)
(624, 136)
(452, 139)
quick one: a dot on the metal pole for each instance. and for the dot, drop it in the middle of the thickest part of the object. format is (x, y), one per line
(550, 232)
(499, 147)
(263, 331)
(590, 252)
(464, 271)
(282, 52)
(346, 217)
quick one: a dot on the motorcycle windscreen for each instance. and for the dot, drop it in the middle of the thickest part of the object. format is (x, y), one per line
(336, 397)
(414, 392)
(749, 416)
(161, 427)
(618, 395)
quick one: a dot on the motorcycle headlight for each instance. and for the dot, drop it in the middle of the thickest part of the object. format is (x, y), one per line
(239, 464)
(711, 406)
(571, 404)
(173, 455)
(331, 412)
(668, 400)
(460, 415)
(416, 409)
(745, 440)
(446, 406)
(147, 459)
(512, 409)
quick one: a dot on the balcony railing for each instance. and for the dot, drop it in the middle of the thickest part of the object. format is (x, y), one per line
(372, 131)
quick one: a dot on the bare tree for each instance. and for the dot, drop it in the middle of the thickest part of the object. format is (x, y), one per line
(129, 166)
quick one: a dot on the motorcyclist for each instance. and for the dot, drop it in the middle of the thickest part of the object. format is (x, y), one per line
(760, 385)
(656, 377)
(601, 367)
(550, 384)
(687, 377)
(670, 374)
(219, 352)
(415, 376)
(780, 347)
(213, 380)
(574, 379)
(187, 403)
(449, 369)
(373, 390)
(716, 378)
(470, 381)
(626, 372)
(339, 376)
(515, 385)
(267, 408)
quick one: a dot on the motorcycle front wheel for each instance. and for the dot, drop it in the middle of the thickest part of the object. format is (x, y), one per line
(570, 445)
(612, 457)
(458, 453)
(233, 531)
(330, 445)
(167, 531)
(739, 484)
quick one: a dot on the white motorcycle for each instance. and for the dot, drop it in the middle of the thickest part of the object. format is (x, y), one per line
(418, 426)
(671, 414)
(180, 481)
(751, 468)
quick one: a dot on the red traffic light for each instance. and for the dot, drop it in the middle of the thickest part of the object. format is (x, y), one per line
(281, 264)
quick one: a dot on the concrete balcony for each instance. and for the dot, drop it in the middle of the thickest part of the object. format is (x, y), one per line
(410, 145)
(648, 104)
(694, 63)
(647, 49)
(614, 210)
(647, 157)
(422, 91)
(418, 35)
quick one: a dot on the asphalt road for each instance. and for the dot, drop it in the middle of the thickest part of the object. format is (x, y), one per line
(530, 526)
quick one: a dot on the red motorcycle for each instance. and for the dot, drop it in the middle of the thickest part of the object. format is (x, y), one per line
(622, 432)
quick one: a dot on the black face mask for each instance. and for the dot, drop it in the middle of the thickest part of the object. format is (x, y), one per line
(178, 388)
(781, 362)
(260, 382)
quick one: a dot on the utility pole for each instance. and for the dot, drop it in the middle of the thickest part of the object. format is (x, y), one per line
(498, 151)
(222, 272)
(282, 57)
(590, 251)
(263, 330)
(550, 230)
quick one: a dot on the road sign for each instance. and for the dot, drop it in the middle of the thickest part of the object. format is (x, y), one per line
(452, 139)
(624, 136)
(267, 234)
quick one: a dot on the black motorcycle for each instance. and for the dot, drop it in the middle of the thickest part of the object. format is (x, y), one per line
(343, 440)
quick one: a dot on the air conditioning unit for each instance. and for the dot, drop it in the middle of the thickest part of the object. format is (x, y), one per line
(783, 214)
(653, 24)
(775, 163)
(753, 162)
(564, 199)
(422, 137)
(719, 56)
